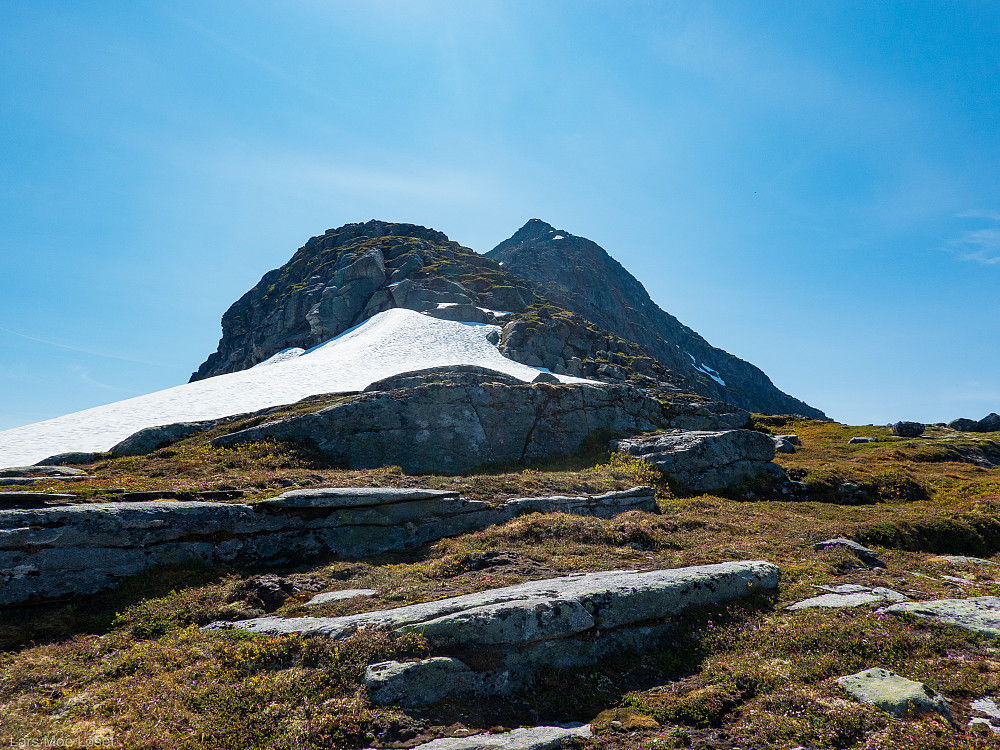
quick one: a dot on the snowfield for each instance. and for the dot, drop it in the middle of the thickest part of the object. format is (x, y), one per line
(390, 343)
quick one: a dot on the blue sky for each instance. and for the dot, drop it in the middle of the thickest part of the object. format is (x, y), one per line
(812, 186)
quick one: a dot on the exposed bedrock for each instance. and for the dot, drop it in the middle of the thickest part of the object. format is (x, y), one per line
(702, 461)
(495, 641)
(464, 421)
(57, 551)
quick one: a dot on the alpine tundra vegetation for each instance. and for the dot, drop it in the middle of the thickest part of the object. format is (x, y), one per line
(423, 497)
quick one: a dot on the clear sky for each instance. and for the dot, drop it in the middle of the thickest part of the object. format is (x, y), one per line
(812, 186)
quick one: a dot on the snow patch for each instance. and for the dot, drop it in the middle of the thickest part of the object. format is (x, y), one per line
(386, 344)
(558, 237)
(283, 356)
(713, 374)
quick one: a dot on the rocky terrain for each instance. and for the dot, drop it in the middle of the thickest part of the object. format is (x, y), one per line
(847, 595)
(531, 510)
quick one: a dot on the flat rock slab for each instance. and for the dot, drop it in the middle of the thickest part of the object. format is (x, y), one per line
(352, 497)
(541, 610)
(894, 694)
(41, 471)
(526, 738)
(13, 499)
(338, 596)
(849, 595)
(980, 614)
(49, 551)
(702, 461)
(987, 706)
(867, 556)
(963, 560)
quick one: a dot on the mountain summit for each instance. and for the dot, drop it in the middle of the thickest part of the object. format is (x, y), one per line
(559, 302)
(579, 275)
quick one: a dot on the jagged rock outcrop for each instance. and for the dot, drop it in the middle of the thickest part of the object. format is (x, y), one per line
(702, 461)
(457, 422)
(579, 275)
(345, 276)
(80, 549)
(496, 641)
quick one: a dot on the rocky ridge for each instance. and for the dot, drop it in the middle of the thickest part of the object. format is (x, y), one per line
(579, 275)
(347, 275)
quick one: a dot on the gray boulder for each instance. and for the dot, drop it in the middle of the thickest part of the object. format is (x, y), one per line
(980, 614)
(703, 461)
(783, 445)
(964, 425)
(908, 429)
(867, 556)
(857, 439)
(150, 439)
(989, 423)
(461, 422)
(848, 595)
(894, 694)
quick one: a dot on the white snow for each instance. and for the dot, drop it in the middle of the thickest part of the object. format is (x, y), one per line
(713, 374)
(283, 356)
(558, 237)
(391, 342)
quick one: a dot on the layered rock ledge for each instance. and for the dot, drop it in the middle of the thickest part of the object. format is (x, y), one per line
(463, 421)
(495, 641)
(80, 549)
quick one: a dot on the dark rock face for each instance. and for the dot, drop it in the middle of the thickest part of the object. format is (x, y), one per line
(349, 274)
(463, 421)
(964, 425)
(908, 429)
(990, 423)
(579, 275)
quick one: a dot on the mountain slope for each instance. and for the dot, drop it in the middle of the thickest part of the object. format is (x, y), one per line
(576, 273)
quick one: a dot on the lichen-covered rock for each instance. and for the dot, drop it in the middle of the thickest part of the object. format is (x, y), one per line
(461, 422)
(48, 552)
(980, 614)
(703, 461)
(562, 622)
(848, 595)
(894, 694)
(568, 605)
(419, 683)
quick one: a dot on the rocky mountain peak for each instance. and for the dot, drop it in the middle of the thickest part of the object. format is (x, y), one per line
(579, 275)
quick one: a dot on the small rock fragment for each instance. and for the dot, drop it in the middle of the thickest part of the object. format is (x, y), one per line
(867, 556)
(894, 694)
